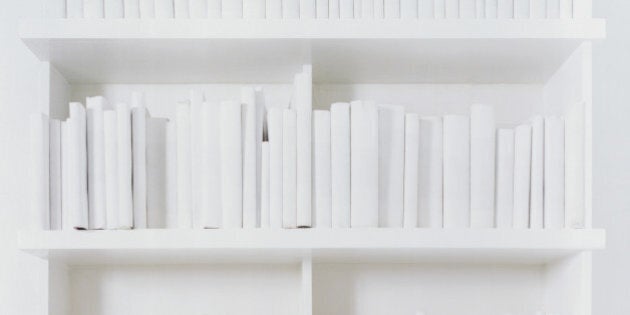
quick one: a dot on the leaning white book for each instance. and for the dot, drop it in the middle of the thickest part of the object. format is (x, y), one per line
(522, 175)
(456, 171)
(111, 168)
(391, 160)
(78, 156)
(96, 162)
(379, 9)
(125, 195)
(430, 173)
(482, 145)
(537, 174)
(139, 117)
(554, 173)
(211, 213)
(40, 180)
(274, 123)
(54, 172)
(505, 178)
(412, 146)
(184, 168)
(289, 169)
(340, 164)
(156, 182)
(231, 165)
(322, 200)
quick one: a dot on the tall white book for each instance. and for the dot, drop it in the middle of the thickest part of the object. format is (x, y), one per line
(54, 173)
(522, 175)
(147, 9)
(196, 113)
(391, 160)
(264, 185)
(290, 9)
(157, 184)
(132, 9)
(340, 164)
(412, 151)
(456, 171)
(171, 174)
(184, 167)
(574, 154)
(164, 9)
(250, 156)
(231, 164)
(96, 162)
(430, 168)
(364, 135)
(322, 188)
(93, 9)
(554, 184)
(482, 145)
(289, 169)
(114, 9)
(304, 109)
(537, 174)
(198, 9)
(274, 124)
(110, 127)
(78, 173)
(40, 179)
(125, 195)
(139, 117)
(505, 178)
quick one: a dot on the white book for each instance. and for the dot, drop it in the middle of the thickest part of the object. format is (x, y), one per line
(566, 9)
(538, 9)
(480, 9)
(125, 196)
(505, 178)
(171, 175)
(96, 162)
(250, 156)
(522, 173)
(254, 9)
(132, 9)
(114, 9)
(164, 9)
(340, 164)
(367, 9)
(54, 172)
(93, 9)
(214, 9)
(392, 9)
(426, 9)
(304, 167)
(307, 9)
(274, 124)
(505, 9)
(451, 9)
(322, 9)
(409, 9)
(74, 9)
(232, 9)
(290, 9)
(184, 167)
(139, 117)
(196, 113)
(181, 9)
(467, 9)
(574, 157)
(379, 9)
(554, 173)
(147, 9)
(67, 199)
(492, 9)
(553, 9)
(430, 168)
(55, 9)
(264, 187)
(322, 188)
(412, 151)
(440, 9)
(303, 84)
(456, 171)
(111, 168)
(261, 112)
(210, 215)
(522, 9)
(273, 9)
(391, 160)
(346, 9)
(334, 9)
(482, 145)
(289, 169)
(364, 141)
(40, 176)
(78, 153)
(198, 9)
(157, 185)
(536, 190)
(231, 165)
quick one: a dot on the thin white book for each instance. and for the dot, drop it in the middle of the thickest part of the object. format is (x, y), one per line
(333, 9)
(574, 153)
(147, 9)
(74, 9)
(346, 9)
(111, 168)
(566, 9)
(440, 9)
(367, 9)
(114, 9)
(392, 9)
(250, 156)
(505, 178)
(261, 112)
(196, 113)
(480, 9)
(164, 9)
(304, 157)
(54, 172)
(505, 9)
(264, 187)
(492, 9)
(537, 174)
(391, 160)
(522, 175)
(322, 9)
(67, 199)
(456, 171)
(538, 9)
(93, 9)
(364, 156)
(482, 155)
(132, 9)
(379, 9)
(274, 125)
(553, 9)
(412, 154)
(554, 173)
(211, 215)
(357, 9)
(231, 164)
(322, 188)
(274, 9)
(290, 9)
(40, 176)
(124, 164)
(198, 9)
(451, 9)
(139, 117)
(430, 168)
(426, 9)
(307, 9)
(157, 185)
(289, 169)
(214, 9)
(522, 9)
(78, 172)
(409, 9)
(181, 9)
(55, 9)
(467, 9)
(96, 162)
(171, 174)
(184, 167)
(340, 164)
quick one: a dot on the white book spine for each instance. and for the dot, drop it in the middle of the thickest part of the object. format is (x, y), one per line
(566, 9)
(111, 168)
(391, 159)
(412, 151)
(307, 9)
(334, 9)
(139, 144)
(536, 191)
(164, 9)
(346, 9)
(171, 175)
(273, 9)
(250, 170)
(274, 123)
(451, 9)
(426, 9)
(467, 9)
(480, 9)
(96, 162)
(379, 9)
(211, 202)
(290, 9)
(554, 173)
(538, 9)
(289, 169)
(74, 9)
(114, 9)
(184, 179)
(260, 126)
(322, 191)
(492, 9)
(147, 9)
(430, 167)
(125, 199)
(505, 178)
(93, 9)
(482, 155)
(78, 151)
(232, 9)
(231, 165)
(456, 171)
(264, 187)
(440, 9)
(214, 9)
(575, 163)
(322, 9)
(304, 167)
(409, 9)
(55, 9)
(340, 164)
(364, 141)
(505, 9)
(522, 173)
(553, 9)
(196, 116)
(198, 9)
(181, 8)
(254, 9)
(157, 184)
(132, 9)
(55, 174)
(522, 9)
(392, 9)
(367, 9)
(40, 175)
(67, 199)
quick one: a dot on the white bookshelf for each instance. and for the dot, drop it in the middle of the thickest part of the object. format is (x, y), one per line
(520, 67)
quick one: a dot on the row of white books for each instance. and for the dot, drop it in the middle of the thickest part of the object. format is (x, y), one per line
(317, 9)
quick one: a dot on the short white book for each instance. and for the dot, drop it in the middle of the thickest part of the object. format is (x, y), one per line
(289, 169)
(274, 124)
(157, 184)
(505, 178)
(322, 191)
(522, 175)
